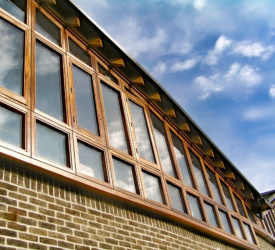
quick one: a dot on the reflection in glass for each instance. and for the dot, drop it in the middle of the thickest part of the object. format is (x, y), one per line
(240, 206)
(211, 214)
(49, 96)
(51, 144)
(15, 7)
(11, 57)
(214, 185)
(225, 222)
(249, 234)
(179, 151)
(107, 74)
(141, 132)
(90, 161)
(11, 127)
(250, 214)
(78, 52)
(152, 187)
(124, 176)
(228, 197)
(237, 227)
(112, 107)
(199, 174)
(46, 28)
(195, 207)
(85, 103)
(162, 146)
(176, 197)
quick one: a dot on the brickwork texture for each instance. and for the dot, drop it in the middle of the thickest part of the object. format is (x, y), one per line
(38, 212)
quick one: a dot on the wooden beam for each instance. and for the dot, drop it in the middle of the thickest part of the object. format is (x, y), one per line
(197, 140)
(155, 97)
(52, 2)
(219, 164)
(138, 80)
(72, 22)
(119, 62)
(229, 174)
(240, 185)
(209, 152)
(171, 113)
(184, 127)
(248, 194)
(96, 42)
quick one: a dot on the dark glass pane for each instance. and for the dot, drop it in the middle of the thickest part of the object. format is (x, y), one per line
(176, 197)
(46, 28)
(90, 161)
(11, 127)
(85, 103)
(250, 214)
(228, 197)
(240, 206)
(49, 96)
(179, 151)
(15, 7)
(249, 234)
(162, 146)
(152, 187)
(237, 227)
(195, 207)
(214, 185)
(51, 144)
(124, 176)
(211, 214)
(199, 173)
(142, 134)
(225, 222)
(11, 57)
(78, 52)
(116, 130)
(108, 75)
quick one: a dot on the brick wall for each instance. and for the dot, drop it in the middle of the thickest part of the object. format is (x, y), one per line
(38, 212)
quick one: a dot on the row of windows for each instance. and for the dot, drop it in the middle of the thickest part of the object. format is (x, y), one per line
(75, 112)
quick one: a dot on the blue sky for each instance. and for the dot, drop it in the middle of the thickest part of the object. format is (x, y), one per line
(217, 59)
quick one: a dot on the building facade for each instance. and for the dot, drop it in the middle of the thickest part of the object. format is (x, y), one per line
(95, 154)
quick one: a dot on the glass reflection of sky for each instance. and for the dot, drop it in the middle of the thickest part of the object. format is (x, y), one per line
(15, 8)
(90, 161)
(124, 176)
(237, 227)
(114, 120)
(225, 222)
(248, 233)
(11, 125)
(175, 196)
(194, 207)
(214, 185)
(152, 187)
(141, 132)
(11, 57)
(211, 215)
(228, 197)
(51, 144)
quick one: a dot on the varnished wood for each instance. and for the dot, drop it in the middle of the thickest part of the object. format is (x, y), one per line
(138, 80)
(96, 42)
(196, 139)
(155, 97)
(119, 62)
(72, 22)
(171, 113)
(184, 127)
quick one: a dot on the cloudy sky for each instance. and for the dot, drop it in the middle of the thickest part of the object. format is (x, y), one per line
(217, 59)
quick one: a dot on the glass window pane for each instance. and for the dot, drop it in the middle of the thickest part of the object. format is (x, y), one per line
(199, 173)
(214, 186)
(237, 226)
(152, 187)
(85, 103)
(15, 7)
(249, 233)
(90, 161)
(115, 124)
(162, 146)
(240, 206)
(225, 222)
(211, 214)
(11, 127)
(51, 144)
(141, 132)
(250, 214)
(176, 197)
(49, 96)
(179, 151)
(78, 52)
(195, 207)
(12, 57)
(47, 28)
(107, 74)
(228, 197)
(124, 174)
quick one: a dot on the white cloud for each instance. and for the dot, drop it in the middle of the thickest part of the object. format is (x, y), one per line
(272, 91)
(183, 66)
(159, 69)
(259, 113)
(237, 80)
(222, 43)
(180, 47)
(199, 4)
(253, 49)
